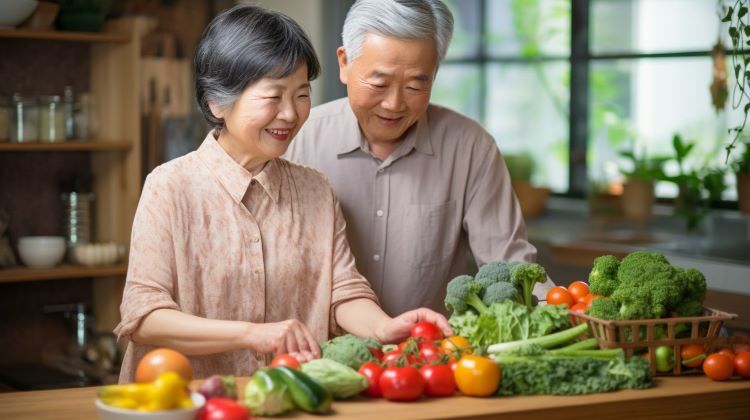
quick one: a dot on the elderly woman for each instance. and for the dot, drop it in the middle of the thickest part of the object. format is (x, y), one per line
(235, 253)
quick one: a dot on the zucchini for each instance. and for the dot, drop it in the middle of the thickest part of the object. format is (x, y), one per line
(306, 393)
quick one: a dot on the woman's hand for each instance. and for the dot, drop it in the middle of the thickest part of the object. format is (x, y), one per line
(290, 336)
(397, 329)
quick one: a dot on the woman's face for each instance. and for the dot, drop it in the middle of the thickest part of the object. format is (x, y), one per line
(267, 115)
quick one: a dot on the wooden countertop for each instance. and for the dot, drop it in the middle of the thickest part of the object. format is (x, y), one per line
(673, 398)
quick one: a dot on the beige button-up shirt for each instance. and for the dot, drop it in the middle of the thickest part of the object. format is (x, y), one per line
(212, 240)
(413, 216)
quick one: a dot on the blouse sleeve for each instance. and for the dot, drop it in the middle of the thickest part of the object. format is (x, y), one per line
(348, 283)
(151, 267)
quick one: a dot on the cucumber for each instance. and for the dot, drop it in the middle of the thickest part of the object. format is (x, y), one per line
(307, 393)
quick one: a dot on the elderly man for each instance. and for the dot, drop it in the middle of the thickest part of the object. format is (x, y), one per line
(420, 185)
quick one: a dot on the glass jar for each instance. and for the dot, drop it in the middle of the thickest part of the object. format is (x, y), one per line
(4, 119)
(24, 120)
(51, 119)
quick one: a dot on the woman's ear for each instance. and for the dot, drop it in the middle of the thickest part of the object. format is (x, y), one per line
(343, 64)
(216, 109)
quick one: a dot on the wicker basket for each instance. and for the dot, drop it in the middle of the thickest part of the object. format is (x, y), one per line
(627, 335)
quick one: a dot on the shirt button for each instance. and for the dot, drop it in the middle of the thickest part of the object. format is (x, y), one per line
(256, 240)
(379, 213)
(257, 271)
(376, 257)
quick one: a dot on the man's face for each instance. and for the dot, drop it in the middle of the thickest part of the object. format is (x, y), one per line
(389, 84)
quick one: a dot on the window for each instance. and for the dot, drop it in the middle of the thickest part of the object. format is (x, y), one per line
(643, 76)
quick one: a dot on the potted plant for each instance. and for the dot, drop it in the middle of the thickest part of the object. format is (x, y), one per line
(742, 169)
(531, 199)
(638, 189)
(698, 189)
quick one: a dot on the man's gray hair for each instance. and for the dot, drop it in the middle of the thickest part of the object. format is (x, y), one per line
(406, 19)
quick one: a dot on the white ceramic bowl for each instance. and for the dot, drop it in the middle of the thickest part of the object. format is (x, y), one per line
(96, 254)
(107, 412)
(41, 251)
(13, 12)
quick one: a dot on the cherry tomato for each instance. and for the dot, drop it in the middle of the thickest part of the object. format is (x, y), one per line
(376, 352)
(477, 376)
(559, 295)
(391, 358)
(728, 352)
(428, 331)
(401, 383)
(578, 290)
(372, 371)
(578, 308)
(453, 364)
(718, 366)
(162, 360)
(742, 364)
(438, 380)
(455, 346)
(285, 360)
(429, 352)
(691, 351)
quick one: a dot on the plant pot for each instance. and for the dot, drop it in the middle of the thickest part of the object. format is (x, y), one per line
(743, 192)
(637, 200)
(531, 199)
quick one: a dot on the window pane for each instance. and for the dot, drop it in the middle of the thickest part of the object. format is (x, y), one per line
(527, 111)
(644, 103)
(465, 42)
(649, 26)
(528, 28)
(457, 87)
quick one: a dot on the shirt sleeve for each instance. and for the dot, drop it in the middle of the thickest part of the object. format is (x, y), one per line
(151, 274)
(492, 215)
(348, 283)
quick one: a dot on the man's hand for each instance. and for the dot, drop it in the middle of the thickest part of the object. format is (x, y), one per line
(397, 329)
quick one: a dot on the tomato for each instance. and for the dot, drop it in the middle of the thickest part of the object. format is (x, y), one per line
(429, 352)
(161, 360)
(391, 358)
(728, 352)
(438, 380)
(578, 308)
(224, 409)
(718, 366)
(453, 364)
(692, 352)
(285, 360)
(376, 352)
(372, 371)
(559, 295)
(742, 364)
(455, 346)
(401, 383)
(427, 331)
(578, 290)
(477, 376)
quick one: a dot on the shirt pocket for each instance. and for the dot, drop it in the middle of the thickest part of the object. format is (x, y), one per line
(433, 231)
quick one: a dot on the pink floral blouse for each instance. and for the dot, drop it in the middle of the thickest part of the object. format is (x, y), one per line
(212, 240)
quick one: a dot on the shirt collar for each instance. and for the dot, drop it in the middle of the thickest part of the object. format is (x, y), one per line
(233, 176)
(418, 137)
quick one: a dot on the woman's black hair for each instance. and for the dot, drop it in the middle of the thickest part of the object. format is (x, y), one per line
(243, 45)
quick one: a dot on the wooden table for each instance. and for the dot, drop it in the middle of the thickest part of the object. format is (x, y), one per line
(692, 397)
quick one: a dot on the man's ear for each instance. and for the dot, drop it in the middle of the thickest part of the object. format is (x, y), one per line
(343, 65)
(215, 109)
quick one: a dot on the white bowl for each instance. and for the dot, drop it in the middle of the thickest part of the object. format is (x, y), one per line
(107, 412)
(13, 12)
(41, 251)
(96, 254)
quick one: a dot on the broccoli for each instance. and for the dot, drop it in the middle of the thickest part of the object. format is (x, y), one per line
(348, 350)
(498, 292)
(604, 308)
(695, 294)
(491, 273)
(524, 276)
(603, 276)
(462, 293)
(649, 287)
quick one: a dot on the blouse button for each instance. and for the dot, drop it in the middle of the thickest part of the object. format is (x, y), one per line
(256, 240)
(376, 257)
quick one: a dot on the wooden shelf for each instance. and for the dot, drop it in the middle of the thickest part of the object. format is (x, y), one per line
(65, 36)
(68, 146)
(60, 272)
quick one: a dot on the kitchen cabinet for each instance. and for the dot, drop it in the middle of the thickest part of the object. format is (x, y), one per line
(114, 155)
(672, 398)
